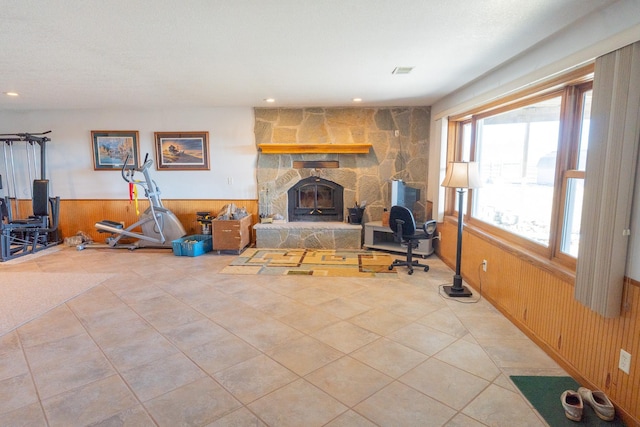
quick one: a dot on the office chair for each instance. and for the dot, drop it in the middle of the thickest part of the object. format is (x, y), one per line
(404, 230)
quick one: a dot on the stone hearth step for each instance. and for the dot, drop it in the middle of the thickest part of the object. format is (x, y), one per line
(309, 235)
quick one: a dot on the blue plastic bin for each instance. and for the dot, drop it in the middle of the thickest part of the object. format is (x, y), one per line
(193, 245)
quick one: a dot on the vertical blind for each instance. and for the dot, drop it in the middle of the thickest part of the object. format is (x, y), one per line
(609, 181)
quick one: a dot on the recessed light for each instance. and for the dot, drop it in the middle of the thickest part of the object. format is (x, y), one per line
(11, 93)
(269, 100)
(357, 99)
(402, 70)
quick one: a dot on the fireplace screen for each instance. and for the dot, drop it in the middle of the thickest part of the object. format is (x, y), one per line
(314, 196)
(315, 199)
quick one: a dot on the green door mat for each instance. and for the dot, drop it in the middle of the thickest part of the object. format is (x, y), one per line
(544, 394)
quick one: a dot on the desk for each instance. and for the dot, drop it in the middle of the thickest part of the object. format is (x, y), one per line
(378, 236)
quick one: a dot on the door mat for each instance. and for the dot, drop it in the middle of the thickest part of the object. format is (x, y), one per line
(544, 395)
(312, 262)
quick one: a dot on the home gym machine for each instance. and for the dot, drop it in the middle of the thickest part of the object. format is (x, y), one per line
(22, 235)
(158, 224)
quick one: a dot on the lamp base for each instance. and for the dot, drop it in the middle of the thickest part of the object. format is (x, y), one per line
(454, 292)
(457, 290)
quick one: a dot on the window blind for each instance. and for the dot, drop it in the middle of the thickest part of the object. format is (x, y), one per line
(609, 181)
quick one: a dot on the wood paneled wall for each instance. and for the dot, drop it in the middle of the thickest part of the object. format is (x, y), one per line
(539, 300)
(81, 215)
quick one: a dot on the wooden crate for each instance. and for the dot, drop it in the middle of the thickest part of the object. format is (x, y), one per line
(231, 235)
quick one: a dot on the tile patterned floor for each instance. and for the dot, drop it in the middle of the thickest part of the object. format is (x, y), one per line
(169, 341)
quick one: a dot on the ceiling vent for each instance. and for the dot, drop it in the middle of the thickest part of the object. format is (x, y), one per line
(402, 70)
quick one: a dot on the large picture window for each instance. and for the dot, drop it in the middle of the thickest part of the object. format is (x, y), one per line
(517, 152)
(532, 155)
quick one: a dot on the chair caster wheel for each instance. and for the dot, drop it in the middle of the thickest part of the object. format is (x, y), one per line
(410, 272)
(426, 268)
(390, 267)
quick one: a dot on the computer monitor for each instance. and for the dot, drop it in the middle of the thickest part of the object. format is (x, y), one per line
(403, 195)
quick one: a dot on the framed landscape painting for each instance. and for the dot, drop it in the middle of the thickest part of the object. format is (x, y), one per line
(112, 147)
(182, 150)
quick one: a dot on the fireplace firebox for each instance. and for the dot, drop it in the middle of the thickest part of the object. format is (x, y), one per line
(316, 199)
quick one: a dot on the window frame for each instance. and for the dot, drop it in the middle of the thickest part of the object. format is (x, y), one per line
(571, 87)
(570, 167)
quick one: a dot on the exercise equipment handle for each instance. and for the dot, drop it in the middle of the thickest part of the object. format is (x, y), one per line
(124, 168)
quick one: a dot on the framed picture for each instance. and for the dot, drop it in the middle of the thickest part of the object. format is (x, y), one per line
(111, 148)
(182, 150)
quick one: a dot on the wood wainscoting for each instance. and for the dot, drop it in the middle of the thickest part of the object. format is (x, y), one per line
(81, 215)
(539, 300)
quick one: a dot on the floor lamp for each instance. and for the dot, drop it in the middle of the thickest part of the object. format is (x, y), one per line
(460, 175)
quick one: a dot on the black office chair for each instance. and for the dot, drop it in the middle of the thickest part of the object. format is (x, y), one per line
(404, 230)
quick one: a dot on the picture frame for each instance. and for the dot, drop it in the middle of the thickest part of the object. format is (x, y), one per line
(111, 148)
(182, 150)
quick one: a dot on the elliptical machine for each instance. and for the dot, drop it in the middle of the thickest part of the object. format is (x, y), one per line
(159, 225)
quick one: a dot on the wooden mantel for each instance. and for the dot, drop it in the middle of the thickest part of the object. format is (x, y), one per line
(277, 148)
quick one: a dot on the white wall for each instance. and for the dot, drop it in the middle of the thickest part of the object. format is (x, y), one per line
(607, 29)
(233, 154)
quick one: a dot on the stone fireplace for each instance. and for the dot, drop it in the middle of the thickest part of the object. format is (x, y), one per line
(399, 140)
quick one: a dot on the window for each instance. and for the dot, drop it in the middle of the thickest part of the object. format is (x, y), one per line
(532, 155)
(517, 154)
(573, 181)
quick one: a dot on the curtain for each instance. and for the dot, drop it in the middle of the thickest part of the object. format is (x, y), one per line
(609, 181)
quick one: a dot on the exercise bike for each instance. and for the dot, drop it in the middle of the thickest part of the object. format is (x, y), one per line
(159, 225)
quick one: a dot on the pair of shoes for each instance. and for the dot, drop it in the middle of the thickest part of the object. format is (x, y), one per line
(600, 403)
(572, 404)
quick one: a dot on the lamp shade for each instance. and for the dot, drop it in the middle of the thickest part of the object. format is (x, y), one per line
(462, 175)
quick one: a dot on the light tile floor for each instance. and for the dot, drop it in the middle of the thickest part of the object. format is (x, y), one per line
(169, 341)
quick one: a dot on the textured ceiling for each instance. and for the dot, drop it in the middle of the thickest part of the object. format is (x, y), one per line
(198, 53)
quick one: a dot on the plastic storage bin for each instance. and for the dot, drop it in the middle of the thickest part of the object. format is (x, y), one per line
(194, 245)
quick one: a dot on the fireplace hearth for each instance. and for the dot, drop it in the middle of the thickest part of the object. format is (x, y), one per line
(316, 199)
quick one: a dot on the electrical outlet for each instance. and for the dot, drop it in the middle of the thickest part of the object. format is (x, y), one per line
(484, 265)
(625, 361)
(439, 236)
